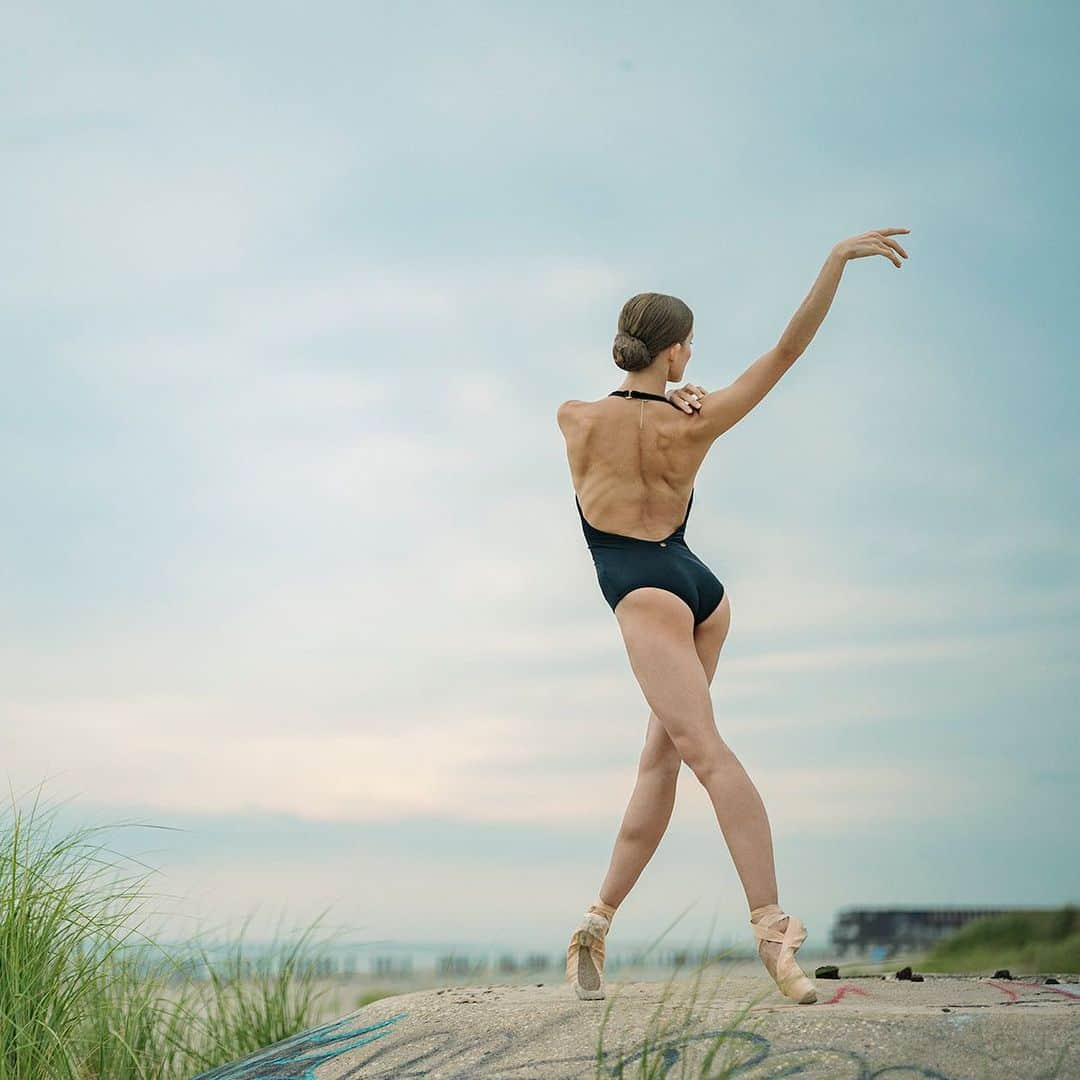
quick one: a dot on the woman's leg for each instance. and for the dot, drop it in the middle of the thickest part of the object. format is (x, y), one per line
(653, 800)
(647, 814)
(661, 642)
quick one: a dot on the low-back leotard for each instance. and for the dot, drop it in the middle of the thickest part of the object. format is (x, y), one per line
(624, 563)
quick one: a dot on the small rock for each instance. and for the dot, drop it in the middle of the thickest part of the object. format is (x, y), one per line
(1002, 973)
(945, 1008)
(827, 971)
(1052, 980)
(904, 973)
(917, 978)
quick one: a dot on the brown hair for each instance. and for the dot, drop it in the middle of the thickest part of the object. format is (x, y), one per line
(648, 323)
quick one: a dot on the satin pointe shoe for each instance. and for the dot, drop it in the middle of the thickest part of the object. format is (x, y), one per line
(585, 954)
(790, 978)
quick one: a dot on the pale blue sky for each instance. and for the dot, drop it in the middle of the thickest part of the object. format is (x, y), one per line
(291, 559)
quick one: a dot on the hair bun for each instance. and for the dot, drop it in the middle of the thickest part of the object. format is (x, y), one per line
(630, 352)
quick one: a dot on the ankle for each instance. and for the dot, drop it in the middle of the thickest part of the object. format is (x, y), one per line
(600, 908)
(762, 910)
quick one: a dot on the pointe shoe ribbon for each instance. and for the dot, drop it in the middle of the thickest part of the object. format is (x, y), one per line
(790, 978)
(585, 956)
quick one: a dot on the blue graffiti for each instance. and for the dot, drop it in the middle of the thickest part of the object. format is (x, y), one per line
(292, 1059)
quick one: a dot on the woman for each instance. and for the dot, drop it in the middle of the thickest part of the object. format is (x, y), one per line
(633, 458)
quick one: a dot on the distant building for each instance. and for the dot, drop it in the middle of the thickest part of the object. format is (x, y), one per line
(391, 965)
(881, 932)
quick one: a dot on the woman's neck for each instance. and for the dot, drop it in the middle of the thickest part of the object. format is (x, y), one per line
(651, 384)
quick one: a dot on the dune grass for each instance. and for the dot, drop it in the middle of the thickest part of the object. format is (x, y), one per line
(1025, 942)
(85, 995)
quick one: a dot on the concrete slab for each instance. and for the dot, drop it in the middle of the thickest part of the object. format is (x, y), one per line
(957, 1027)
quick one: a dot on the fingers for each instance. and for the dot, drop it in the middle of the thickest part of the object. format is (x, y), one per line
(679, 397)
(895, 259)
(689, 396)
(882, 236)
(895, 244)
(884, 249)
(874, 242)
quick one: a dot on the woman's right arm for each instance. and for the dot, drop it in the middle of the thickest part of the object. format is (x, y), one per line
(723, 408)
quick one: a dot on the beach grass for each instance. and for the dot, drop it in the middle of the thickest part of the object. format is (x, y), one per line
(86, 995)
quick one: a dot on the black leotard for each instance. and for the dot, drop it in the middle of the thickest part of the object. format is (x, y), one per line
(624, 563)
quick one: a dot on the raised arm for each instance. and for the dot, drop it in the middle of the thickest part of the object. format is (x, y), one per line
(723, 408)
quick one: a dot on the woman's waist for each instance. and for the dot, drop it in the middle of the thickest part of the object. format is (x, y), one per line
(635, 544)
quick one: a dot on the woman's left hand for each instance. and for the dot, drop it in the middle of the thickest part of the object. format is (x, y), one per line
(688, 397)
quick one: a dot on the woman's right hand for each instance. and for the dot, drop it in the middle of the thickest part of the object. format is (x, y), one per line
(688, 397)
(874, 242)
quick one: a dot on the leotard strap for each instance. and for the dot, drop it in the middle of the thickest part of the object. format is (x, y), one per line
(641, 394)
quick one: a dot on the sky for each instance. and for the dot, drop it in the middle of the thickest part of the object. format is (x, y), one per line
(290, 570)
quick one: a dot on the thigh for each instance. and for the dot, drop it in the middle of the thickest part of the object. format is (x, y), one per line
(709, 636)
(658, 632)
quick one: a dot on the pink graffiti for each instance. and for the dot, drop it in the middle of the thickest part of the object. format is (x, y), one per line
(1013, 994)
(1053, 990)
(843, 991)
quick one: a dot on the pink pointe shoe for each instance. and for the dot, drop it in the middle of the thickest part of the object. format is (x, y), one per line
(790, 978)
(585, 955)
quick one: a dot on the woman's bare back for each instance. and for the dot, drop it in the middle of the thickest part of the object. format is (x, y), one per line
(633, 462)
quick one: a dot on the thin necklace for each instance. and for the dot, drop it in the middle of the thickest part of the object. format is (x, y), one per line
(628, 394)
